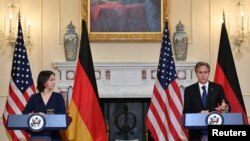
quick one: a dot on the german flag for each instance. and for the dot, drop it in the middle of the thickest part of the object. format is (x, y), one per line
(87, 119)
(226, 75)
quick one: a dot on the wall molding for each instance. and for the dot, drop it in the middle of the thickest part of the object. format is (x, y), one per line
(123, 80)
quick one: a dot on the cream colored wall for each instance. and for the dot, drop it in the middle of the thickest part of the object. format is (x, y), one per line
(242, 66)
(49, 19)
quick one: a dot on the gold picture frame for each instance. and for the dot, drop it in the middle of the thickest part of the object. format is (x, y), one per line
(118, 36)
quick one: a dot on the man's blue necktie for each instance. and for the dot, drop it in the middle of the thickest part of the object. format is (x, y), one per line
(204, 96)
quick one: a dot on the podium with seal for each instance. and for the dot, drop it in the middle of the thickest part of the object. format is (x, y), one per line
(201, 121)
(37, 123)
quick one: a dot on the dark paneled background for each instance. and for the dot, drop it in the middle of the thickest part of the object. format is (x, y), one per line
(125, 118)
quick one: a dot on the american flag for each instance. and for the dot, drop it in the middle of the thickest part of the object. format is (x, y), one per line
(21, 85)
(165, 110)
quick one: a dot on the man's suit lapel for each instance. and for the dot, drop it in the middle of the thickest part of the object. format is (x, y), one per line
(210, 91)
(210, 88)
(210, 96)
(198, 95)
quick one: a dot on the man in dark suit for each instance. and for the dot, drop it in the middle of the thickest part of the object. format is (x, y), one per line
(203, 97)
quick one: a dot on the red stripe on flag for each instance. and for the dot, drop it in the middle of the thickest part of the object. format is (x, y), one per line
(176, 113)
(178, 93)
(27, 94)
(20, 81)
(164, 129)
(157, 117)
(85, 100)
(178, 110)
(26, 135)
(230, 95)
(85, 96)
(14, 97)
(9, 109)
(165, 109)
(226, 75)
(152, 129)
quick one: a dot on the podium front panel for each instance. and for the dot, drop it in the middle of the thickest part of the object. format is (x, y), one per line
(195, 121)
(53, 122)
(198, 120)
(233, 119)
(17, 122)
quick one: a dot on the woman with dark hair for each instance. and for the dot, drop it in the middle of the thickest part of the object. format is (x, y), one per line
(46, 101)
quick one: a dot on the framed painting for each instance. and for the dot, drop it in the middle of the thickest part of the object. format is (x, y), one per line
(124, 20)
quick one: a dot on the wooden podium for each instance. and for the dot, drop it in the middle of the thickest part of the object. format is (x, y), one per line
(37, 123)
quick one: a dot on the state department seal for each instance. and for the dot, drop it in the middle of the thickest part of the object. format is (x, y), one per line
(214, 118)
(36, 122)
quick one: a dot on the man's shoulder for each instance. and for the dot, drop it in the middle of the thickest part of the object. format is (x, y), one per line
(215, 84)
(192, 86)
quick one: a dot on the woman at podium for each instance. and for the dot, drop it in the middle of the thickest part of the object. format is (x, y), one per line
(46, 101)
(203, 96)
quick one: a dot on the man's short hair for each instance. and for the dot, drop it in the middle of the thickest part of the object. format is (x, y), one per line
(199, 64)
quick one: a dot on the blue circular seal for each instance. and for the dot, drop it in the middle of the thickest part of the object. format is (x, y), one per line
(36, 122)
(214, 118)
